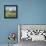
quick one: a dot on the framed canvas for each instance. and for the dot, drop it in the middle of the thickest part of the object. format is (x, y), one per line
(10, 11)
(33, 32)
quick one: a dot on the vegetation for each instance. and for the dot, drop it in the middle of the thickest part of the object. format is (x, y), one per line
(10, 13)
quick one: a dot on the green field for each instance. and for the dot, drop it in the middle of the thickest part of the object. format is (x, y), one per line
(10, 13)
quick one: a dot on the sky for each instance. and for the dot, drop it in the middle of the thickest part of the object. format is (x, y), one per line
(11, 8)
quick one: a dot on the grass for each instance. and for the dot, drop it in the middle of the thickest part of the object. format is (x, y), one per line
(10, 13)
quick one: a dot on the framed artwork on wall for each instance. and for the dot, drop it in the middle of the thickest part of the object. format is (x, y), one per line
(10, 11)
(33, 32)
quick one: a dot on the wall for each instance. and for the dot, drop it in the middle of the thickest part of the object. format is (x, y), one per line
(29, 12)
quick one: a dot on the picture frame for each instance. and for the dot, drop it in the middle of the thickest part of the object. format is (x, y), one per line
(10, 11)
(40, 28)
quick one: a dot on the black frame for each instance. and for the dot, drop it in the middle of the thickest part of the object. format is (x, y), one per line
(11, 6)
